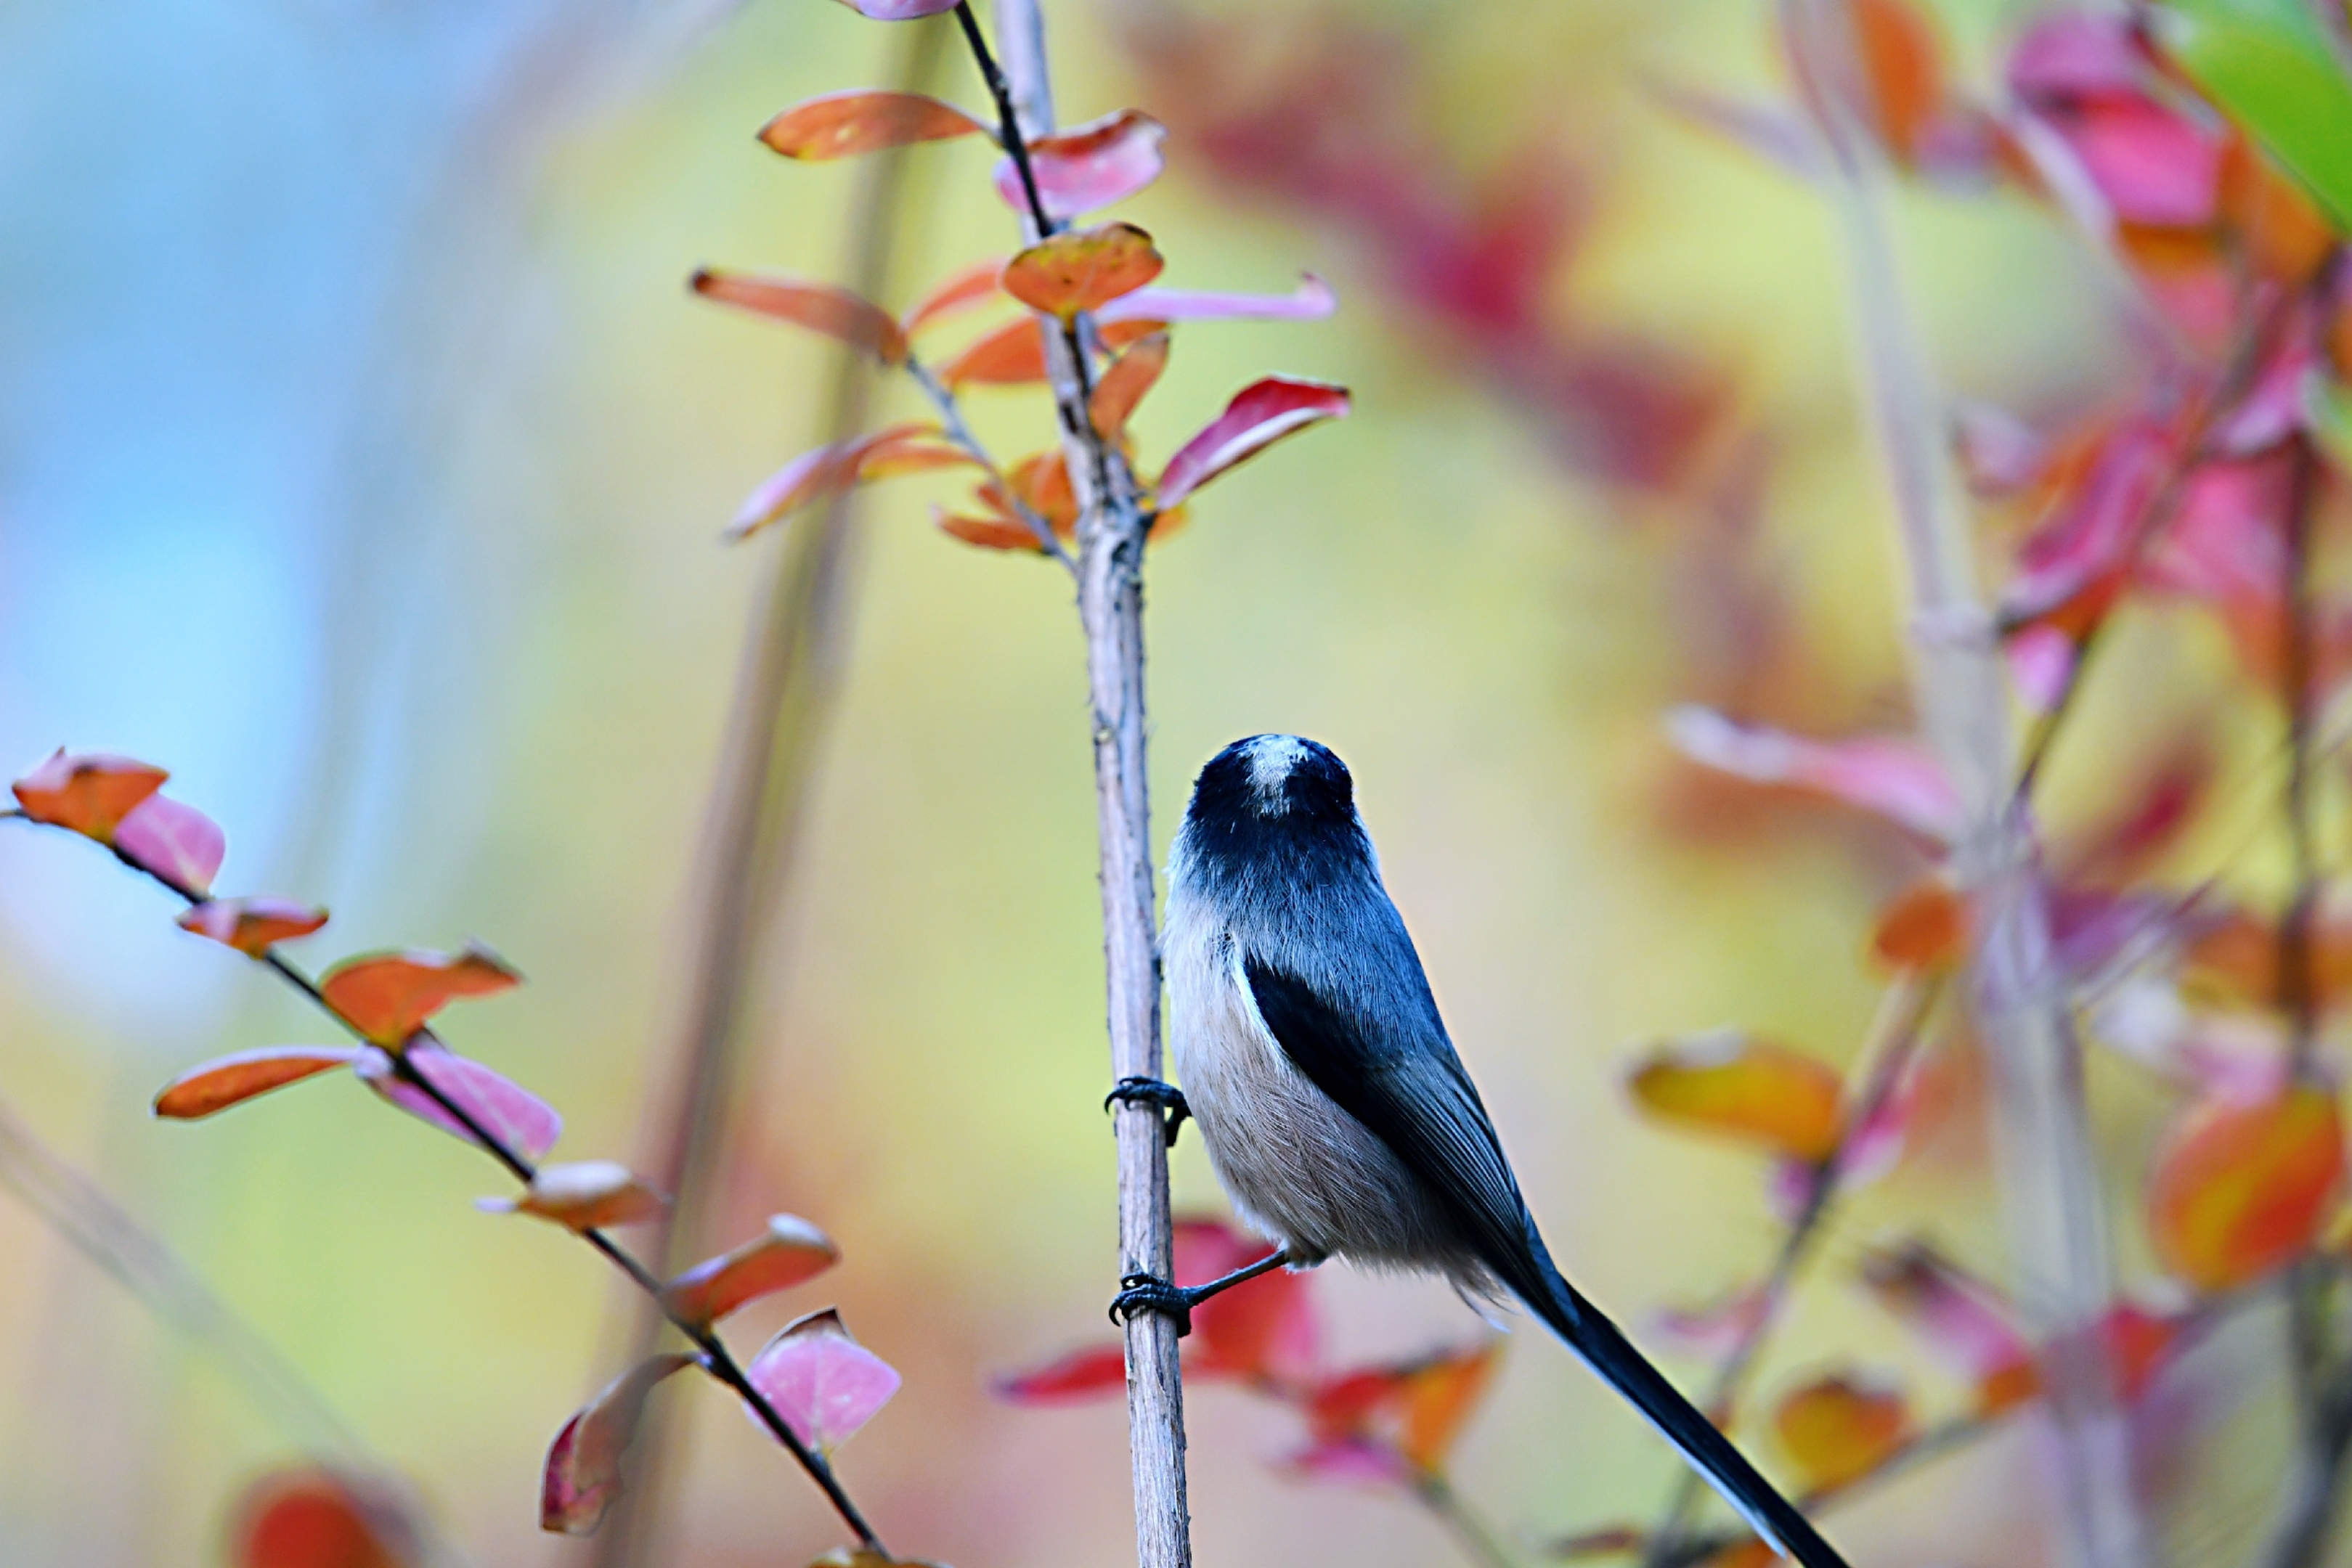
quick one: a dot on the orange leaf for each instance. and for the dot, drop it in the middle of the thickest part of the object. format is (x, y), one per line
(1925, 927)
(89, 793)
(1837, 1430)
(841, 124)
(824, 471)
(1042, 482)
(1439, 1396)
(820, 307)
(1726, 1082)
(1083, 269)
(583, 1195)
(1125, 381)
(387, 997)
(313, 1518)
(225, 1081)
(989, 533)
(2284, 235)
(2241, 1189)
(788, 1252)
(1903, 60)
(975, 285)
(252, 926)
(1013, 355)
(2239, 958)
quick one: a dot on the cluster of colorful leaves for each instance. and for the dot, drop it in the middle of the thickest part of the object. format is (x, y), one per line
(1093, 284)
(812, 1375)
(1390, 1425)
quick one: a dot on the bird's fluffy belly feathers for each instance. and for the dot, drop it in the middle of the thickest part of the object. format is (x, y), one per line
(1301, 1170)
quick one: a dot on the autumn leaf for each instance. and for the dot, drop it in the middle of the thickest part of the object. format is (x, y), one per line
(1124, 383)
(584, 1195)
(387, 997)
(822, 1383)
(252, 926)
(1082, 1374)
(789, 1252)
(1440, 1395)
(583, 1476)
(864, 119)
(827, 471)
(1731, 1082)
(175, 843)
(1088, 166)
(1898, 779)
(1961, 1321)
(975, 286)
(1837, 1429)
(90, 793)
(1082, 270)
(2242, 1188)
(501, 1107)
(1013, 355)
(1263, 1328)
(995, 532)
(1311, 301)
(820, 307)
(1925, 927)
(227, 1080)
(1259, 415)
(312, 1517)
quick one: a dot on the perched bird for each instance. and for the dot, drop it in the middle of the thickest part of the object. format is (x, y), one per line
(1338, 1118)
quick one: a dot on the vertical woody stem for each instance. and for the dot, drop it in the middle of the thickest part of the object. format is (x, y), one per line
(2047, 1165)
(1111, 528)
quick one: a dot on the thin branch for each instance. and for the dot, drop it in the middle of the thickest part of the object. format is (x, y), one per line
(943, 402)
(1476, 1536)
(716, 1359)
(1893, 1041)
(1111, 536)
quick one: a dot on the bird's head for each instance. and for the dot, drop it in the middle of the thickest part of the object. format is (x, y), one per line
(1278, 785)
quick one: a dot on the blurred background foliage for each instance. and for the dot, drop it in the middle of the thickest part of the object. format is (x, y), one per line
(364, 458)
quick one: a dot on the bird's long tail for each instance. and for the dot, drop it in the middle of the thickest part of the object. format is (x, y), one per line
(1608, 1352)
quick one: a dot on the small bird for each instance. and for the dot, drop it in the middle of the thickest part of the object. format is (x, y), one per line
(1338, 1118)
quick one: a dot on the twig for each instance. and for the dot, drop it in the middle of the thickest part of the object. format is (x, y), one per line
(1476, 1538)
(1111, 528)
(943, 402)
(716, 1359)
(2047, 1164)
(1895, 1037)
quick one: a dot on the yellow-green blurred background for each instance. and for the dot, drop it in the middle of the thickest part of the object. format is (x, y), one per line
(363, 460)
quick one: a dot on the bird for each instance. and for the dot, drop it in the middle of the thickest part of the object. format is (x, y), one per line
(1336, 1112)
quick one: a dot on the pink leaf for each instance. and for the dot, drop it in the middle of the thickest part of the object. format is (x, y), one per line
(2150, 163)
(898, 10)
(1895, 778)
(230, 1080)
(1081, 1375)
(176, 842)
(2227, 541)
(2274, 406)
(1088, 166)
(1260, 414)
(2091, 536)
(1958, 1320)
(508, 1112)
(1310, 301)
(821, 1382)
(1353, 1461)
(2041, 662)
(583, 1464)
(2070, 53)
(1714, 1331)
(824, 471)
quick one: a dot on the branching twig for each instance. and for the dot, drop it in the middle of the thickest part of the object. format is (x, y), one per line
(716, 1359)
(1111, 528)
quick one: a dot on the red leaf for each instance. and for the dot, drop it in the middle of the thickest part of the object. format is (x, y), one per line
(89, 793)
(252, 926)
(1088, 166)
(841, 124)
(1310, 301)
(820, 307)
(584, 1195)
(313, 1518)
(583, 1464)
(1125, 383)
(225, 1081)
(1266, 1328)
(788, 1252)
(1895, 778)
(1082, 270)
(175, 843)
(1013, 355)
(974, 286)
(821, 1382)
(1081, 1375)
(1414, 1411)
(387, 997)
(508, 1112)
(1259, 415)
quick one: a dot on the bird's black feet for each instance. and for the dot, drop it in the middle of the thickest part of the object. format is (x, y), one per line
(1152, 1091)
(1150, 1293)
